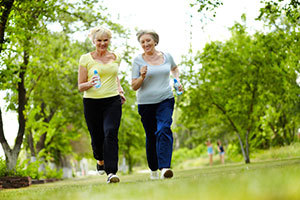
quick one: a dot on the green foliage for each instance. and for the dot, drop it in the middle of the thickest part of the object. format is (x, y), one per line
(207, 6)
(285, 152)
(54, 111)
(131, 132)
(275, 9)
(233, 152)
(245, 87)
(184, 154)
(31, 169)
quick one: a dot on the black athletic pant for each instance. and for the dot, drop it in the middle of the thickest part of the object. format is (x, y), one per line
(103, 120)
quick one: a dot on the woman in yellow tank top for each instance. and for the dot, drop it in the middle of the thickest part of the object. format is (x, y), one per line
(102, 102)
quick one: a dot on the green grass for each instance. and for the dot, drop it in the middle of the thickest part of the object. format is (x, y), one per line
(275, 179)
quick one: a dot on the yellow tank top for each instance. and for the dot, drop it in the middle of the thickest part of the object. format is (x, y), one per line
(108, 76)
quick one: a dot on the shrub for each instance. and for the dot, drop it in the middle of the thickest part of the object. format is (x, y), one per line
(29, 169)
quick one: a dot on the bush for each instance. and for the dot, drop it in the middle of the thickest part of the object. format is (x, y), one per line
(183, 154)
(29, 169)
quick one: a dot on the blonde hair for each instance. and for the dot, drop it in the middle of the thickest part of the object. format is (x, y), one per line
(153, 34)
(99, 30)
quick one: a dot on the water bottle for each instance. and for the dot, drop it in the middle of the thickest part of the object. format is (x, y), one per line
(98, 82)
(176, 85)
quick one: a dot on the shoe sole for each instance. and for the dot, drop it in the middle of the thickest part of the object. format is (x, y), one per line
(168, 174)
(114, 180)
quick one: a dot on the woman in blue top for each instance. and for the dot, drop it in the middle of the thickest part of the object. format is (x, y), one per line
(210, 151)
(151, 79)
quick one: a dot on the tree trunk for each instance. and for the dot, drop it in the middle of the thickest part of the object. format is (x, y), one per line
(5, 9)
(245, 155)
(31, 145)
(11, 160)
(11, 155)
(247, 158)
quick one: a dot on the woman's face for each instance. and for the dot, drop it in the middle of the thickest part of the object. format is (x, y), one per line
(102, 42)
(147, 43)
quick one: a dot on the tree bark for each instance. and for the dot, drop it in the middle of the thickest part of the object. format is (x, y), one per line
(5, 9)
(247, 160)
(11, 155)
(31, 145)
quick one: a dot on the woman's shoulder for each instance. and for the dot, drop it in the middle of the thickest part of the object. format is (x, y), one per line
(167, 54)
(116, 56)
(85, 56)
(138, 58)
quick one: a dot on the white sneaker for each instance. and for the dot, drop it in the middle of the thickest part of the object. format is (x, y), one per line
(154, 175)
(112, 178)
(166, 173)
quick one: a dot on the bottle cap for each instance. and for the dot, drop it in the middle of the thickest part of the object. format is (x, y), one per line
(95, 71)
(175, 80)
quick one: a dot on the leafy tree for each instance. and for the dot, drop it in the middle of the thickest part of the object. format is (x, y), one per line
(272, 9)
(23, 67)
(239, 80)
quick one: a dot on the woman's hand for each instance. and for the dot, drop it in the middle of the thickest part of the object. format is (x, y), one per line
(123, 98)
(94, 80)
(143, 72)
(180, 88)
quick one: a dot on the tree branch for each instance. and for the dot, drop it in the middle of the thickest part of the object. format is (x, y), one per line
(3, 141)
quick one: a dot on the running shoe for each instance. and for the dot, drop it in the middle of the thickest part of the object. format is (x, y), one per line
(166, 173)
(154, 175)
(112, 178)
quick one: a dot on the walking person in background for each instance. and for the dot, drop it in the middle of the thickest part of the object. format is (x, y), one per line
(210, 152)
(102, 103)
(221, 151)
(151, 79)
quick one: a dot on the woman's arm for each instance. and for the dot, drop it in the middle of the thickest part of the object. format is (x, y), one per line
(175, 73)
(121, 91)
(137, 82)
(83, 83)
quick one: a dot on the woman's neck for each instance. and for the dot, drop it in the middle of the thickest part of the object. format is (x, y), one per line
(101, 52)
(151, 53)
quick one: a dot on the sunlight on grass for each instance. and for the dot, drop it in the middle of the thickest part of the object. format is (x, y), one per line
(262, 180)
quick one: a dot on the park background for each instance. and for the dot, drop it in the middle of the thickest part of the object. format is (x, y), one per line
(239, 63)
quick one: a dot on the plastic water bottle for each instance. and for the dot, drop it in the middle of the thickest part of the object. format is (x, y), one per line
(98, 82)
(176, 86)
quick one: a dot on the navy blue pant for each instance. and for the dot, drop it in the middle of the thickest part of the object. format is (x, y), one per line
(157, 121)
(103, 120)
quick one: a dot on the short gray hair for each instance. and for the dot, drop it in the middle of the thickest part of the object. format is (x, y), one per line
(153, 34)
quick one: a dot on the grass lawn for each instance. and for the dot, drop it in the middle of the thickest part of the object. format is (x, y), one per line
(275, 179)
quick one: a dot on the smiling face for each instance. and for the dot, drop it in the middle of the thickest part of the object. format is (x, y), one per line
(102, 41)
(147, 42)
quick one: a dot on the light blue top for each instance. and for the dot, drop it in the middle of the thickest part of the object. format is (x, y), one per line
(210, 150)
(156, 86)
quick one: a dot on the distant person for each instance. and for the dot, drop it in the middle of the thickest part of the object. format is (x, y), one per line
(151, 79)
(102, 106)
(221, 151)
(210, 152)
